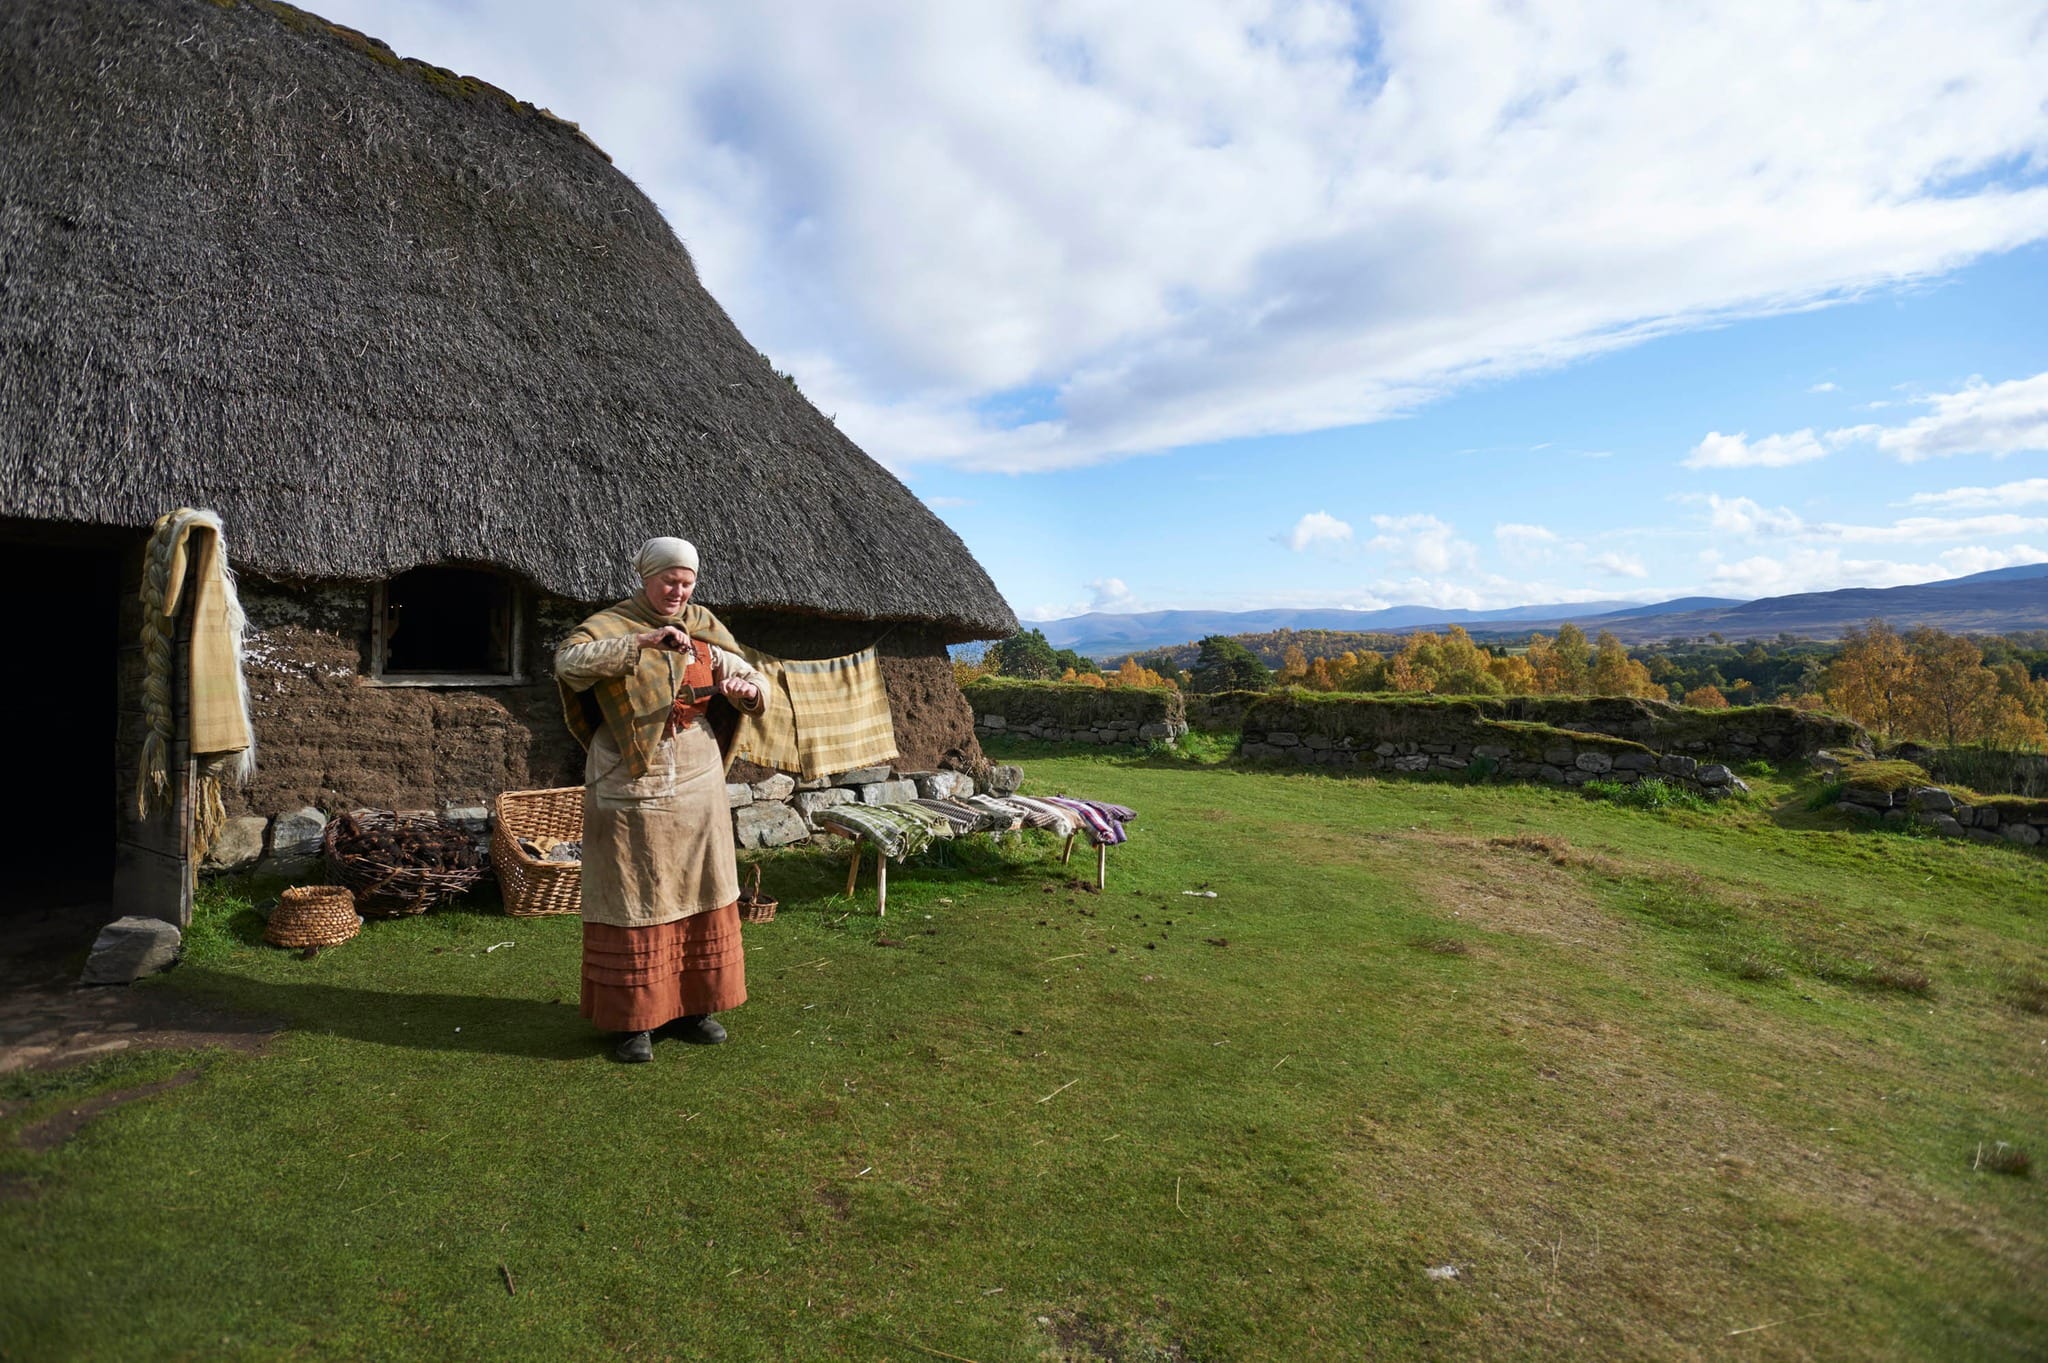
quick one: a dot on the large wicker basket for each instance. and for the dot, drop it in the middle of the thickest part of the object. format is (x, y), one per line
(385, 890)
(313, 916)
(533, 887)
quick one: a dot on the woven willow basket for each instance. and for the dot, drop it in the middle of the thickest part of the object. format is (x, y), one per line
(313, 916)
(756, 907)
(533, 887)
(384, 890)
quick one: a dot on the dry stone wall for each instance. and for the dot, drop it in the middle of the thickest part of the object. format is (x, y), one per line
(1070, 712)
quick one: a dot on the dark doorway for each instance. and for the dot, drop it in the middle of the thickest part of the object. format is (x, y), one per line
(57, 787)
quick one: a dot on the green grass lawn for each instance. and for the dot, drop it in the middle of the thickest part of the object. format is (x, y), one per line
(1658, 1083)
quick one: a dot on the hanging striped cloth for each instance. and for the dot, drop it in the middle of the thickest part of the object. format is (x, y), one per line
(1104, 822)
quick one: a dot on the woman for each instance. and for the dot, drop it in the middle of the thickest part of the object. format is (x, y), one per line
(661, 926)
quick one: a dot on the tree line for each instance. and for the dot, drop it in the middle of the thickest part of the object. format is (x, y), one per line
(1926, 684)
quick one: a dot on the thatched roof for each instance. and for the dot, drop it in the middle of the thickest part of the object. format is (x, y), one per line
(379, 315)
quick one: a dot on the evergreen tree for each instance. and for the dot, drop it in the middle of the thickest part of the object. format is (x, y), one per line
(1227, 665)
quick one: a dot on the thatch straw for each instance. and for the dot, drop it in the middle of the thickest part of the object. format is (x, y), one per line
(379, 315)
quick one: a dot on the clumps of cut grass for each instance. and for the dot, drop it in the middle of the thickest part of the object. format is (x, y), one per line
(1442, 946)
(1887, 976)
(2001, 1157)
(1746, 966)
(2028, 993)
(1654, 793)
(1757, 767)
(1557, 851)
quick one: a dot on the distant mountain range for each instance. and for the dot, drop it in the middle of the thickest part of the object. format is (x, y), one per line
(1998, 601)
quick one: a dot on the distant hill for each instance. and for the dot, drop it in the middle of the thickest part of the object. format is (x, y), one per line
(1995, 602)
(1100, 635)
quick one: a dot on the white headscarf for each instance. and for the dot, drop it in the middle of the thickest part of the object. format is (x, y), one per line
(662, 553)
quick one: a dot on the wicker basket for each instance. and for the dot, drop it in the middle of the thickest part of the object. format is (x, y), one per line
(313, 916)
(387, 891)
(533, 887)
(756, 907)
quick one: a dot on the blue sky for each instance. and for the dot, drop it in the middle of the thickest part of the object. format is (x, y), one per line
(1233, 303)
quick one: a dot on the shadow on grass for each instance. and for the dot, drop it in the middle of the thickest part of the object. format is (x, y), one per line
(458, 1024)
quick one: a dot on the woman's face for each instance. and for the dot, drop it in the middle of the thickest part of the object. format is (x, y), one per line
(668, 591)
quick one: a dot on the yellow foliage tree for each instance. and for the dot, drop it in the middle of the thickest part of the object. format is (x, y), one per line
(1514, 674)
(1130, 674)
(1321, 675)
(1706, 697)
(1872, 679)
(1093, 679)
(1614, 673)
(1293, 666)
(1562, 664)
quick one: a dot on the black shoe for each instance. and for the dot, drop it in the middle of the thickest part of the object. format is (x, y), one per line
(637, 1048)
(700, 1029)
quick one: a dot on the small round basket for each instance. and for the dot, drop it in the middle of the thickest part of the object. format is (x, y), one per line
(313, 916)
(756, 907)
(366, 852)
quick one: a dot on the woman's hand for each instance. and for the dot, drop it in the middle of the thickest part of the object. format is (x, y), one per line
(739, 691)
(668, 637)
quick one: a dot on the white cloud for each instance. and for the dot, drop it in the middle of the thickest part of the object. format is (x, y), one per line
(1109, 594)
(1317, 527)
(1421, 542)
(1929, 529)
(1620, 565)
(1525, 543)
(1717, 451)
(1821, 570)
(1741, 516)
(1822, 388)
(2025, 492)
(1981, 418)
(1023, 235)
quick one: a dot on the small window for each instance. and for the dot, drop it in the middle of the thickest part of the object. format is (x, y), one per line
(446, 626)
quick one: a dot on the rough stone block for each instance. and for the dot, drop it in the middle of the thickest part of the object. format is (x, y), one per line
(1385, 749)
(2024, 834)
(468, 818)
(1151, 731)
(1677, 764)
(1437, 749)
(861, 776)
(1491, 752)
(1987, 816)
(1713, 774)
(1594, 762)
(1635, 761)
(1451, 762)
(295, 834)
(1964, 815)
(886, 792)
(1550, 772)
(129, 948)
(1869, 796)
(809, 802)
(1856, 811)
(1004, 779)
(814, 783)
(768, 825)
(992, 722)
(1283, 739)
(1943, 824)
(1412, 762)
(240, 844)
(776, 787)
(1932, 800)
(1982, 835)
(1316, 741)
(738, 795)
(1578, 776)
(1559, 757)
(945, 785)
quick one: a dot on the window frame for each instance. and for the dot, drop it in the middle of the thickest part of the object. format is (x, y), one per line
(380, 651)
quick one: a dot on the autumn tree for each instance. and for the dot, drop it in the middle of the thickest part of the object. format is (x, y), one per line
(1561, 664)
(1514, 674)
(1094, 679)
(1614, 673)
(1871, 680)
(1130, 673)
(1707, 697)
(1293, 666)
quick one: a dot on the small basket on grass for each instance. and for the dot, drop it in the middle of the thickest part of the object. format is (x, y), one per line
(313, 916)
(756, 907)
(532, 886)
(400, 864)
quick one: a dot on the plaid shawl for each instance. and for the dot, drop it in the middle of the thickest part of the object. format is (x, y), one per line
(823, 716)
(1039, 814)
(636, 707)
(967, 818)
(1104, 822)
(898, 830)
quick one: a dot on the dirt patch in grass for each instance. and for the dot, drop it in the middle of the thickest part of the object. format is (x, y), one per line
(52, 1132)
(1499, 885)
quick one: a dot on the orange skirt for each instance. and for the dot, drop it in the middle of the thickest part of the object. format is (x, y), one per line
(637, 979)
